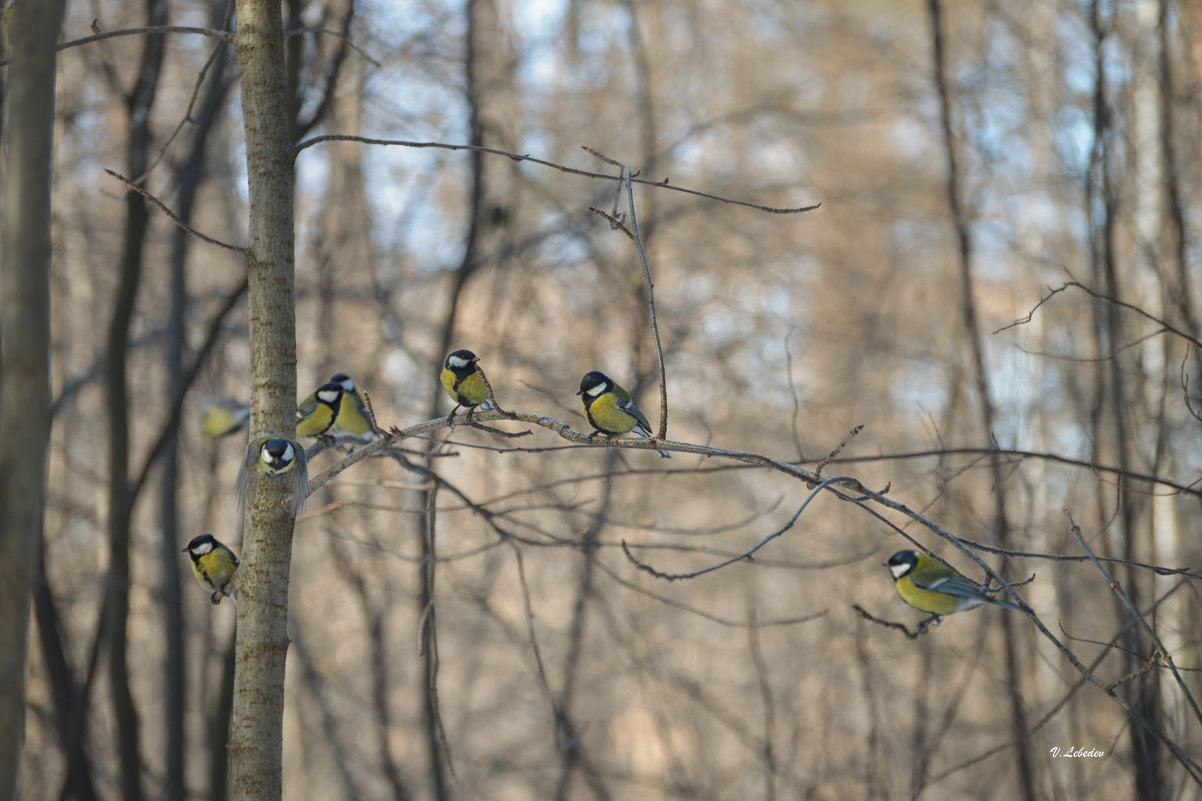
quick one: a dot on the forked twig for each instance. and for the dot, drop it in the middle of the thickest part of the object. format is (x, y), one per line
(747, 554)
(633, 233)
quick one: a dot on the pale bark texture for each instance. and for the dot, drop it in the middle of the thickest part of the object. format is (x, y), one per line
(262, 641)
(24, 353)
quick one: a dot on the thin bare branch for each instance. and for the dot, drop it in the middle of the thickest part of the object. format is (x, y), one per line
(337, 35)
(1138, 616)
(919, 630)
(745, 555)
(174, 217)
(316, 140)
(1105, 299)
(633, 233)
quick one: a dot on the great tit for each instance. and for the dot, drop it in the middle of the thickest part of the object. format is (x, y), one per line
(464, 382)
(213, 564)
(352, 418)
(317, 413)
(280, 459)
(933, 587)
(225, 416)
(610, 410)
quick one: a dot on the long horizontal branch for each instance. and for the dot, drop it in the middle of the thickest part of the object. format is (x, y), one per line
(366, 140)
(566, 432)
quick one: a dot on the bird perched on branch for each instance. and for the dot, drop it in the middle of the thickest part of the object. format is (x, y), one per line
(932, 587)
(353, 417)
(464, 381)
(610, 410)
(317, 413)
(213, 564)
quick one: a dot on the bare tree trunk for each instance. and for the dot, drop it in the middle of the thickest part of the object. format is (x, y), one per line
(482, 63)
(972, 333)
(121, 496)
(573, 758)
(188, 178)
(256, 729)
(1111, 426)
(24, 353)
(68, 695)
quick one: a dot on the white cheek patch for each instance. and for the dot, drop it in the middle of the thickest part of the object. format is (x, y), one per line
(458, 362)
(593, 392)
(278, 457)
(347, 385)
(899, 570)
(202, 549)
(328, 396)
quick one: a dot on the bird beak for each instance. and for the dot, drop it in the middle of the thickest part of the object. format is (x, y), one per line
(580, 392)
(884, 564)
(185, 548)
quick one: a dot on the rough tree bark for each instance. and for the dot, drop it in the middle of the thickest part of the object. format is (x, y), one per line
(256, 728)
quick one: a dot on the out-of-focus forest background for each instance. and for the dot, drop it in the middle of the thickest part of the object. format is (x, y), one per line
(969, 159)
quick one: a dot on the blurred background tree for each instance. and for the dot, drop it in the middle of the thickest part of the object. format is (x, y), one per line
(970, 158)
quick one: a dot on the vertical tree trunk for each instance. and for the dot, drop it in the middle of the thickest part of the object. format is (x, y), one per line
(24, 352)
(482, 62)
(121, 496)
(256, 728)
(1000, 523)
(188, 178)
(1111, 424)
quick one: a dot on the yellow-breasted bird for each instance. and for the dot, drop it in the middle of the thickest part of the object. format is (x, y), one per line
(280, 459)
(464, 382)
(317, 413)
(352, 417)
(213, 564)
(225, 416)
(610, 410)
(932, 587)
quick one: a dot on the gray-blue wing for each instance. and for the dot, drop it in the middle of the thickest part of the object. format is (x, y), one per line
(637, 414)
(961, 588)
